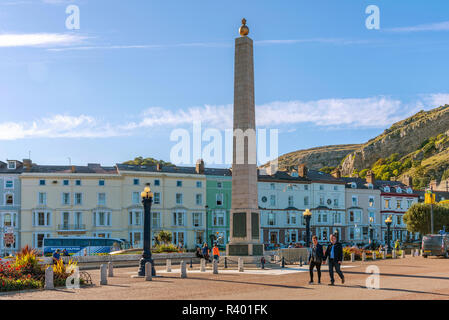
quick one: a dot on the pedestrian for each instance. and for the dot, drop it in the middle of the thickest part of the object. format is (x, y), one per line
(397, 245)
(205, 251)
(65, 253)
(335, 254)
(198, 252)
(216, 252)
(315, 259)
(56, 256)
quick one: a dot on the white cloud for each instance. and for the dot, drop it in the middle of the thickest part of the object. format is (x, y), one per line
(58, 126)
(333, 114)
(439, 26)
(39, 39)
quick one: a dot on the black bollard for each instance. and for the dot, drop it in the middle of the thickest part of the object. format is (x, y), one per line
(191, 263)
(300, 261)
(283, 263)
(226, 263)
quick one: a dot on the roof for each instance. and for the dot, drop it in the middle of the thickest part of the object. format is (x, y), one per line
(17, 170)
(89, 169)
(281, 175)
(439, 195)
(173, 169)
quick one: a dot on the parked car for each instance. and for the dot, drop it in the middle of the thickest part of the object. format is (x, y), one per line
(435, 245)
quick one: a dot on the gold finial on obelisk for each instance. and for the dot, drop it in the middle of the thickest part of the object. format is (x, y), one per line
(243, 30)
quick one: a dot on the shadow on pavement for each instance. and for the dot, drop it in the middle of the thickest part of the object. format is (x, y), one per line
(393, 289)
(399, 275)
(254, 283)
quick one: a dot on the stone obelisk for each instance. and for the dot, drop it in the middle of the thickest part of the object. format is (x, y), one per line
(244, 220)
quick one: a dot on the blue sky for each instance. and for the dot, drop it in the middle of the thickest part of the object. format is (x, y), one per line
(136, 70)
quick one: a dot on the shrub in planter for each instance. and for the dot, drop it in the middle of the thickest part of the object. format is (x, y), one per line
(10, 284)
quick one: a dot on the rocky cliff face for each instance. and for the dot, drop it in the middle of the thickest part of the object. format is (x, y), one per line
(403, 137)
(316, 158)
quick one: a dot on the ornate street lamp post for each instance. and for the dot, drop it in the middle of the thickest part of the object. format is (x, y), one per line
(307, 215)
(147, 199)
(388, 222)
(371, 240)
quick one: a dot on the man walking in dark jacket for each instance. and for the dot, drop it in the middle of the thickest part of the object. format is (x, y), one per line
(315, 259)
(335, 254)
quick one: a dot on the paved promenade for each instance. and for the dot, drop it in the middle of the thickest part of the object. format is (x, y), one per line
(409, 278)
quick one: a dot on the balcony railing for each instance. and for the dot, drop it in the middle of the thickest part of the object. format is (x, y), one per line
(71, 227)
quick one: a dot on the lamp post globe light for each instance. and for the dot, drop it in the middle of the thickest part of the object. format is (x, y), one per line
(147, 199)
(307, 215)
(388, 222)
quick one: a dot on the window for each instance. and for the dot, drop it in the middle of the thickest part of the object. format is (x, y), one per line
(335, 202)
(9, 184)
(398, 190)
(65, 182)
(321, 200)
(353, 185)
(136, 182)
(272, 200)
(291, 218)
(157, 198)
(78, 198)
(65, 220)
(135, 218)
(409, 203)
(102, 218)
(271, 221)
(179, 198)
(178, 218)
(38, 239)
(289, 187)
(337, 217)
(41, 218)
(306, 200)
(78, 182)
(102, 199)
(371, 202)
(11, 165)
(9, 199)
(199, 199)
(135, 238)
(272, 186)
(219, 199)
(218, 218)
(398, 204)
(78, 219)
(101, 182)
(354, 216)
(399, 220)
(156, 219)
(306, 187)
(372, 215)
(199, 238)
(355, 201)
(387, 189)
(179, 183)
(335, 188)
(66, 198)
(290, 201)
(199, 184)
(370, 186)
(387, 203)
(197, 219)
(178, 238)
(42, 182)
(321, 187)
(157, 182)
(42, 198)
(219, 185)
(136, 197)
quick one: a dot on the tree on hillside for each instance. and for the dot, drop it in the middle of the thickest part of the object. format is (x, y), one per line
(140, 161)
(417, 218)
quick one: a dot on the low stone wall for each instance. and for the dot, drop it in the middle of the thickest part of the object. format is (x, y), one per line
(294, 254)
(132, 259)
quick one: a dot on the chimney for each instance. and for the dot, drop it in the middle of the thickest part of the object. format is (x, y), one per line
(370, 178)
(302, 170)
(199, 168)
(407, 180)
(73, 170)
(336, 173)
(158, 166)
(27, 164)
